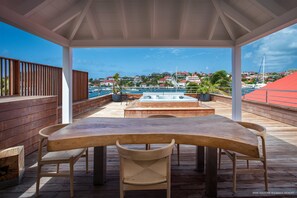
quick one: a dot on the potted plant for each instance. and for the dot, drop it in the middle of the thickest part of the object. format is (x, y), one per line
(116, 88)
(205, 88)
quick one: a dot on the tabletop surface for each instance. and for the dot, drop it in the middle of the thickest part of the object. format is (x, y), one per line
(214, 131)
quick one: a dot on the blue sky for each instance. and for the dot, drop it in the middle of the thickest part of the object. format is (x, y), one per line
(280, 49)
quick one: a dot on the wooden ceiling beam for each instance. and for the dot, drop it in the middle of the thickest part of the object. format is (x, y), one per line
(10, 17)
(271, 6)
(283, 21)
(94, 25)
(213, 26)
(80, 19)
(64, 18)
(184, 17)
(263, 8)
(37, 8)
(237, 17)
(217, 6)
(152, 11)
(151, 43)
(123, 20)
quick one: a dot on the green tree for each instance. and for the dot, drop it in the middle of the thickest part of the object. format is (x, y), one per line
(221, 79)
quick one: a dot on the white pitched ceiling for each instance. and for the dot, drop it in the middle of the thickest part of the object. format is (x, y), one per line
(85, 23)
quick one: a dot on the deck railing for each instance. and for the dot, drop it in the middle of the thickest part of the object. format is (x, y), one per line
(281, 97)
(28, 79)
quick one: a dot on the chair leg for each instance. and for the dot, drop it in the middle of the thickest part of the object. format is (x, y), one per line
(58, 168)
(247, 164)
(265, 176)
(147, 147)
(87, 160)
(122, 194)
(220, 156)
(168, 193)
(38, 180)
(71, 178)
(234, 173)
(178, 152)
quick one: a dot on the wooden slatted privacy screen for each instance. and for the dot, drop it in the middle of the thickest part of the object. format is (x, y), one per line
(30, 79)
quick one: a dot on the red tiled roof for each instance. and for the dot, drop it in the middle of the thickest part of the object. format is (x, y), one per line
(281, 92)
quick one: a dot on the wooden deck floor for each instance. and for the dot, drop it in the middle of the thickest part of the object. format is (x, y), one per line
(282, 168)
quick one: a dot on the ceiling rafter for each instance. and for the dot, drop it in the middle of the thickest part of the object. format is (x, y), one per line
(26, 6)
(237, 17)
(283, 21)
(94, 26)
(147, 43)
(10, 17)
(217, 6)
(37, 8)
(273, 7)
(213, 26)
(122, 15)
(58, 22)
(152, 12)
(262, 7)
(184, 17)
(80, 19)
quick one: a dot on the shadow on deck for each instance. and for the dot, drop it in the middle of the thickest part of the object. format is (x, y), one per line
(186, 182)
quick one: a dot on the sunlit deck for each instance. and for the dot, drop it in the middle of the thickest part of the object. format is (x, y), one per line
(186, 182)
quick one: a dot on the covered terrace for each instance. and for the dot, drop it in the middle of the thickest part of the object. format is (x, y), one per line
(160, 23)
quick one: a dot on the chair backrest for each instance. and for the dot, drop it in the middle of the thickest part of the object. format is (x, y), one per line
(145, 155)
(47, 131)
(259, 130)
(44, 134)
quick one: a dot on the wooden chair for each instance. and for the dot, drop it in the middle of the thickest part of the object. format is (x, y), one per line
(57, 157)
(145, 169)
(148, 146)
(261, 133)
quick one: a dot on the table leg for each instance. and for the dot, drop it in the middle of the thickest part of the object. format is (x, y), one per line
(99, 177)
(200, 158)
(211, 172)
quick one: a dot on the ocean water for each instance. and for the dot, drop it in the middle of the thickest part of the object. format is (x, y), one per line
(141, 90)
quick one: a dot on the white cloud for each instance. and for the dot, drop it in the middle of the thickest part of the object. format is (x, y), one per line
(280, 49)
(248, 55)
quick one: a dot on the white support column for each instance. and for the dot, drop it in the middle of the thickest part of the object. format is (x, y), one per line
(236, 83)
(67, 86)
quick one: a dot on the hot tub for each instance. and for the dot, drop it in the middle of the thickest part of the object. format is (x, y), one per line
(166, 97)
(174, 104)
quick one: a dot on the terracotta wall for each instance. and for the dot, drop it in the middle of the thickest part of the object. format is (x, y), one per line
(22, 117)
(280, 113)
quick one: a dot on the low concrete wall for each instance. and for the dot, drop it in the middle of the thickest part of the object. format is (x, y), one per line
(280, 113)
(87, 105)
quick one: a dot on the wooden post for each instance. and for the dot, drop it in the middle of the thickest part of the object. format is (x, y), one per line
(67, 86)
(17, 79)
(99, 177)
(236, 83)
(211, 172)
(200, 159)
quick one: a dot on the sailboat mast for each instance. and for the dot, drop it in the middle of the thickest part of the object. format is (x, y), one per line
(263, 67)
(176, 79)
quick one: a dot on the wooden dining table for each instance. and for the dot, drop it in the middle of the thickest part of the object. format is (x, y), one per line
(210, 132)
